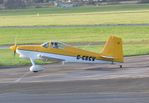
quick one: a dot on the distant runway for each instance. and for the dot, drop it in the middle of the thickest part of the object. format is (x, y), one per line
(78, 83)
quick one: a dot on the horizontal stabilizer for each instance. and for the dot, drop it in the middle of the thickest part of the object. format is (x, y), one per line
(107, 57)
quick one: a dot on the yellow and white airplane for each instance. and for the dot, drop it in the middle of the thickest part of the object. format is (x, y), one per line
(111, 53)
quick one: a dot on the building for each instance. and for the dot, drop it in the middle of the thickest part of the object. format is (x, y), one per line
(60, 3)
(25, 3)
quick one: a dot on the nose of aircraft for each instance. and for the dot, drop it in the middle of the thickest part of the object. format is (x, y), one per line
(14, 48)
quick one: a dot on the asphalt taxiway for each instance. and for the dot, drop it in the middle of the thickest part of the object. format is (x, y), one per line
(78, 83)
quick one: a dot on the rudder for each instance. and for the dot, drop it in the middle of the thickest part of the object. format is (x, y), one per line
(113, 48)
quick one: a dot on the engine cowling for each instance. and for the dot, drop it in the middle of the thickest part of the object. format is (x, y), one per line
(36, 68)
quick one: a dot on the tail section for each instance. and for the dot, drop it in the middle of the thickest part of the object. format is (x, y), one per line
(113, 49)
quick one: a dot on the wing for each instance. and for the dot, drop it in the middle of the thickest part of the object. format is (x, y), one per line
(46, 58)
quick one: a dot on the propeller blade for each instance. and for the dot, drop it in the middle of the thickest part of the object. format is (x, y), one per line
(14, 48)
(14, 53)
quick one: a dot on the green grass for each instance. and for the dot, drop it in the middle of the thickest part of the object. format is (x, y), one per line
(36, 35)
(89, 15)
(138, 17)
(7, 58)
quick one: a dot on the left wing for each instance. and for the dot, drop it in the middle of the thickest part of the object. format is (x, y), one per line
(46, 58)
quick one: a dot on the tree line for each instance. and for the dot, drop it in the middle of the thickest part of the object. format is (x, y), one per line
(16, 4)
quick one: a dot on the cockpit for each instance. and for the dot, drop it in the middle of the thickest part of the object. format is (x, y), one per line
(52, 44)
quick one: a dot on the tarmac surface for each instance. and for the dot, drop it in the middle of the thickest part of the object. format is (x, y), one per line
(78, 83)
(77, 26)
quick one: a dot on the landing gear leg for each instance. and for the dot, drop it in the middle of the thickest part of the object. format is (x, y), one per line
(32, 61)
(121, 66)
(112, 62)
(32, 68)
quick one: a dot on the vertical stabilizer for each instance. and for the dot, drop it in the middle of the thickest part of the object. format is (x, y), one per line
(113, 49)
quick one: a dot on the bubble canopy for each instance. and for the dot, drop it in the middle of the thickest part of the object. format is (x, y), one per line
(53, 44)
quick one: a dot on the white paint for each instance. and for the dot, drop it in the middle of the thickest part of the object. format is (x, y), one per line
(36, 68)
(36, 55)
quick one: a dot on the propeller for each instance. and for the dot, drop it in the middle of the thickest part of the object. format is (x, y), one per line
(14, 47)
(14, 53)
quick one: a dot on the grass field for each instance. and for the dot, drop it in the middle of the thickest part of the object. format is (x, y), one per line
(117, 14)
(33, 35)
(138, 17)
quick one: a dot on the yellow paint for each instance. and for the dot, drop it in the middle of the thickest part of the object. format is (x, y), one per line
(112, 48)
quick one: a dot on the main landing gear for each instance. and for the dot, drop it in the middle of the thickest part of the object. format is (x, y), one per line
(35, 68)
(121, 66)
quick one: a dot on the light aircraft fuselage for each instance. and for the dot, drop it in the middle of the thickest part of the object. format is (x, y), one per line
(112, 52)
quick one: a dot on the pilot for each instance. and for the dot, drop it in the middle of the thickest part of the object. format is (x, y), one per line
(52, 45)
(46, 45)
(56, 45)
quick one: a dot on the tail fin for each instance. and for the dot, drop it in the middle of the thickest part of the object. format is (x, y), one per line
(113, 49)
